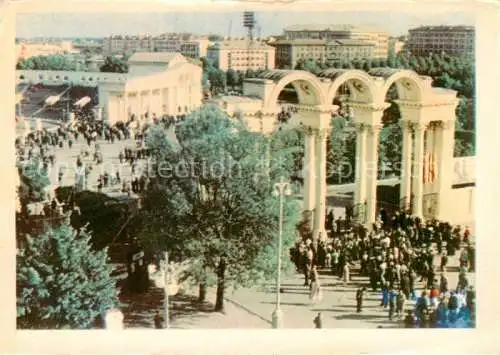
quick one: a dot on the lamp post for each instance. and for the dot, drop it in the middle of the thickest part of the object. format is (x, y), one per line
(281, 189)
(166, 289)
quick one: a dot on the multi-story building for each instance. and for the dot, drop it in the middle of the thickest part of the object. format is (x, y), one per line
(127, 44)
(196, 48)
(27, 50)
(453, 40)
(289, 52)
(349, 49)
(242, 55)
(338, 32)
(187, 45)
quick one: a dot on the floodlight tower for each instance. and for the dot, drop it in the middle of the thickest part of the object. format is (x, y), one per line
(249, 23)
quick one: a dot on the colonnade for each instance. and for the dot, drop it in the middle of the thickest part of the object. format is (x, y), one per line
(156, 102)
(426, 166)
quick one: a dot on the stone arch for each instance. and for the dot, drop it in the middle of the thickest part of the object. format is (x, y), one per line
(307, 85)
(362, 83)
(408, 83)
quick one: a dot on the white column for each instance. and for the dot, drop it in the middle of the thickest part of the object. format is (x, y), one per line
(445, 144)
(405, 187)
(320, 209)
(418, 159)
(360, 173)
(372, 172)
(309, 170)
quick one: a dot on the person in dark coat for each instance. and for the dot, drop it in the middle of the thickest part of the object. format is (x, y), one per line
(318, 323)
(359, 299)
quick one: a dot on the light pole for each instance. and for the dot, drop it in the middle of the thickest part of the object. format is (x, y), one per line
(281, 189)
(166, 290)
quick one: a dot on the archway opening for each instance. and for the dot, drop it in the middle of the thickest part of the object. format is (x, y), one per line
(389, 166)
(341, 142)
(287, 141)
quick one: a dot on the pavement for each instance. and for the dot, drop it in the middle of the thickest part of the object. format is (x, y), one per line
(250, 308)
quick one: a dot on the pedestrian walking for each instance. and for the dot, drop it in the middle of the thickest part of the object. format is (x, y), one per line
(359, 299)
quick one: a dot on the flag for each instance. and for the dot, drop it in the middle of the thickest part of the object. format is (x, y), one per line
(433, 168)
(426, 169)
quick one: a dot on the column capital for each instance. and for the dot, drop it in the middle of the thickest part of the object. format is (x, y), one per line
(406, 125)
(419, 127)
(360, 127)
(374, 128)
(308, 130)
(321, 133)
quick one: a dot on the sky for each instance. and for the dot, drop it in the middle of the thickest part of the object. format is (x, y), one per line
(271, 23)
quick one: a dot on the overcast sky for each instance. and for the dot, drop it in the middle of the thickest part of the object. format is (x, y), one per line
(101, 25)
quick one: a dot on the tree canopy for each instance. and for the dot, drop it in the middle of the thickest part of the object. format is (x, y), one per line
(51, 62)
(61, 282)
(210, 201)
(113, 64)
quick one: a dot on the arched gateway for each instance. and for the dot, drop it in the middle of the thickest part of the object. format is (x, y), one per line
(427, 120)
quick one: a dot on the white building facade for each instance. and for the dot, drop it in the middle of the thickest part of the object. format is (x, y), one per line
(157, 84)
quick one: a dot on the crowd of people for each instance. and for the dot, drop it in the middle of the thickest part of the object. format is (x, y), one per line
(392, 258)
(40, 145)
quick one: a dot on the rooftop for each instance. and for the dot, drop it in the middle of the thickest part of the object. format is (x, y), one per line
(443, 28)
(300, 42)
(331, 27)
(350, 42)
(240, 44)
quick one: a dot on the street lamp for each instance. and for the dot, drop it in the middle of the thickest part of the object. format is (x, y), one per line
(281, 189)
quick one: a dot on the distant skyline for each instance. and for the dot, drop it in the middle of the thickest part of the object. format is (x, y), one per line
(272, 23)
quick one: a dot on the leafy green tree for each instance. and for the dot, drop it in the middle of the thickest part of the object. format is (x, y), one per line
(232, 78)
(216, 209)
(217, 80)
(113, 64)
(61, 282)
(34, 179)
(49, 62)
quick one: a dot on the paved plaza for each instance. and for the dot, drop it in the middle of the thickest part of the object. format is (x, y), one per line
(250, 308)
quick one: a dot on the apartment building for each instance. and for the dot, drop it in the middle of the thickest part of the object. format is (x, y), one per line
(196, 48)
(453, 40)
(289, 52)
(341, 32)
(127, 44)
(189, 46)
(349, 49)
(242, 55)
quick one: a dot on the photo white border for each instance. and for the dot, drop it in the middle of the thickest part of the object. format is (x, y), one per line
(484, 339)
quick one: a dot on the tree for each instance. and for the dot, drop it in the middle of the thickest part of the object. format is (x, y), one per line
(113, 64)
(34, 180)
(217, 80)
(233, 78)
(61, 282)
(215, 38)
(49, 62)
(217, 208)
